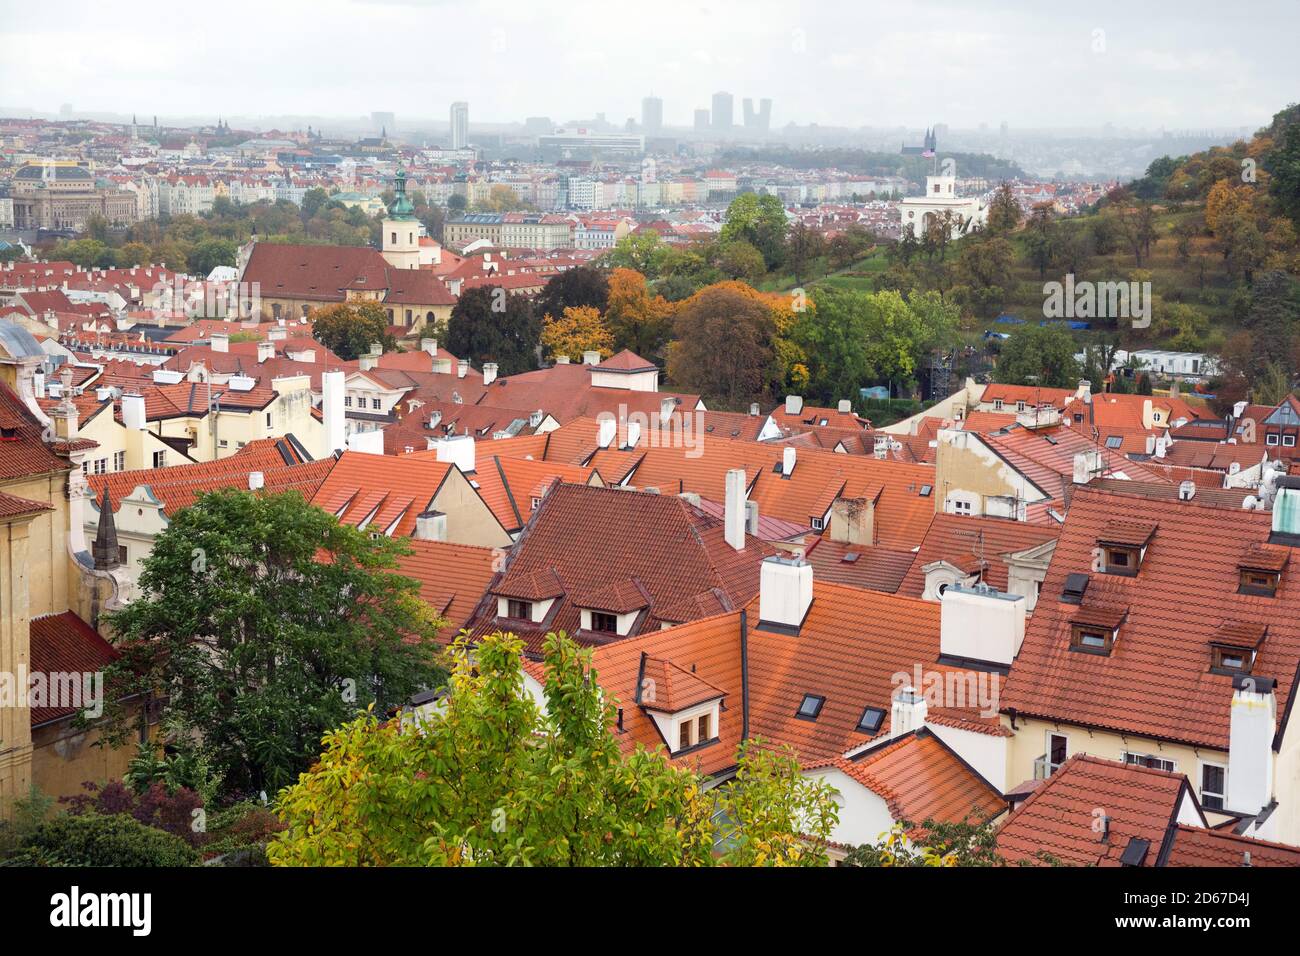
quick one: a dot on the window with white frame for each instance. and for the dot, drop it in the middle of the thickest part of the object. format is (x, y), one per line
(1214, 785)
(1151, 761)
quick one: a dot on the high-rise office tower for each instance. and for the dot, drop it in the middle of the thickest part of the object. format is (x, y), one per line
(759, 120)
(652, 115)
(459, 125)
(723, 111)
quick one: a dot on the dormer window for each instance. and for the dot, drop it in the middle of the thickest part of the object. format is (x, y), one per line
(1095, 630)
(997, 404)
(1234, 646)
(1122, 546)
(1260, 571)
(521, 610)
(601, 621)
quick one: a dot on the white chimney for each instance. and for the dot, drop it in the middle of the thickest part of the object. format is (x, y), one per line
(633, 432)
(1239, 409)
(666, 408)
(561, 360)
(1087, 465)
(220, 342)
(457, 450)
(591, 358)
(785, 591)
(265, 351)
(464, 368)
(367, 362)
(793, 404)
(133, 418)
(429, 345)
(1250, 749)
(489, 372)
(734, 510)
(751, 518)
(331, 386)
(753, 409)
(981, 624)
(431, 526)
(256, 480)
(1186, 490)
(1084, 392)
(908, 712)
(607, 428)
(788, 457)
(845, 406)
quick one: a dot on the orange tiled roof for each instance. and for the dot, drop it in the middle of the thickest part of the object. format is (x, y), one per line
(1156, 682)
(453, 579)
(1060, 817)
(920, 778)
(961, 540)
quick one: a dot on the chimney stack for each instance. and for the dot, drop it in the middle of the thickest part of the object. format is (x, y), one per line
(459, 451)
(981, 624)
(591, 358)
(489, 372)
(734, 511)
(331, 386)
(265, 351)
(753, 409)
(429, 345)
(1087, 466)
(430, 526)
(845, 407)
(793, 404)
(908, 712)
(1252, 724)
(463, 370)
(219, 341)
(853, 521)
(256, 480)
(785, 591)
(788, 459)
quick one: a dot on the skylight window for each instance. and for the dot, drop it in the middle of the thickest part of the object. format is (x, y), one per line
(1114, 441)
(871, 720)
(811, 707)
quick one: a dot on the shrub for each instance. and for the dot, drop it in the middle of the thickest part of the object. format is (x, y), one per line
(154, 807)
(94, 839)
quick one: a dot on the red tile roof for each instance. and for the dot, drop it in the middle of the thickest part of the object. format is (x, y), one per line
(453, 579)
(1196, 846)
(1062, 817)
(586, 540)
(1156, 682)
(921, 778)
(969, 542)
(65, 644)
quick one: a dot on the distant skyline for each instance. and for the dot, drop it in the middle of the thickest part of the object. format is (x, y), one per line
(1183, 65)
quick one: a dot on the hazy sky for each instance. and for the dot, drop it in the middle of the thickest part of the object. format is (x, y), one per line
(1183, 64)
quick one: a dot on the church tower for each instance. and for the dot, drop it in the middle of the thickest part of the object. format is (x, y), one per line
(401, 243)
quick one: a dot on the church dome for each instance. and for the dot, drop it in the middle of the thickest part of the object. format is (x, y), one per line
(401, 207)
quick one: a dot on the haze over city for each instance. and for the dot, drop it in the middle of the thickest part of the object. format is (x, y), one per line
(1162, 65)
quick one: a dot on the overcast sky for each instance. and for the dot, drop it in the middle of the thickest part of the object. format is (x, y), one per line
(1185, 64)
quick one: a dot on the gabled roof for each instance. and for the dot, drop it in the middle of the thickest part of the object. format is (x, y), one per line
(1197, 846)
(384, 493)
(1061, 817)
(920, 778)
(961, 540)
(65, 644)
(1156, 681)
(453, 579)
(587, 543)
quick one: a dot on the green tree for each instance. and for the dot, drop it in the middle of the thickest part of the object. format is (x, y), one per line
(98, 840)
(984, 275)
(739, 259)
(349, 329)
(1039, 355)
(760, 221)
(1004, 211)
(263, 623)
(210, 253)
(489, 325)
(489, 780)
(642, 251)
(585, 286)
(936, 843)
